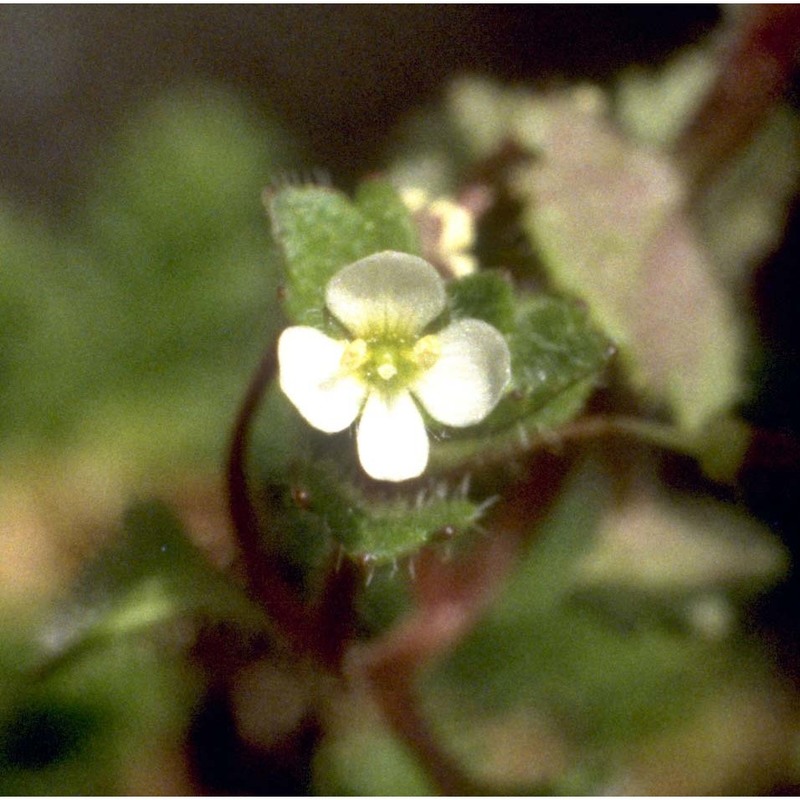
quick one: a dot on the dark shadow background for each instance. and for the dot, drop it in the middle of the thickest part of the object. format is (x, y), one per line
(339, 76)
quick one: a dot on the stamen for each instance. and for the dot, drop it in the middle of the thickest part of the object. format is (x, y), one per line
(426, 351)
(354, 355)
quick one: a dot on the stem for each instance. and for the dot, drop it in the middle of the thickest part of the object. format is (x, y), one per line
(754, 73)
(451, 599)
(659, 434)
(335, 619)
(325, 630)
(265, 581)
(400, 707)
(457, 456)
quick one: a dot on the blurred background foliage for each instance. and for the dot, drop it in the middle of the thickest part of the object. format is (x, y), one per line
(645, 639)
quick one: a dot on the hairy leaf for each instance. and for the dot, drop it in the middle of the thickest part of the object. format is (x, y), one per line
(557, 359)
(319, 509)
(483, 295)
(320, 231)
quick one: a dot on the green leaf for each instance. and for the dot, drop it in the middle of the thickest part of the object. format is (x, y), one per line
(742, 216)
(182, 279)
(40, 734)
(388, 220)
(361, 756)
(134, 325)
(607, 218)
(541, 660)
(553, 348)
(483, 295)
(655, 106)
(183, 173)
(320, 231)
(396, 530)
(384, 599)
(281, 437)
(319, 508)
(557, 358)
(89, 693)
(488, 115)
(312, 507)
(78, 725)
(665, 543)
(150, 574)
(44, 346)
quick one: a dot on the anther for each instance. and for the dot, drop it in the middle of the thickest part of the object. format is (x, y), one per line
(354, 355)
(427, 351)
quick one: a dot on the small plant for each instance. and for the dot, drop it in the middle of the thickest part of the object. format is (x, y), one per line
(452, 554)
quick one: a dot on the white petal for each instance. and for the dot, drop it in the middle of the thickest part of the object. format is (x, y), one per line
(469, 377)
(392, 440)
(397, 290)
(309, 376)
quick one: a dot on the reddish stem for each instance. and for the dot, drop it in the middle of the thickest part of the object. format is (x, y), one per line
(754, 74)
(335, 614)
(400, 707)
(322, 631)
(265, 580)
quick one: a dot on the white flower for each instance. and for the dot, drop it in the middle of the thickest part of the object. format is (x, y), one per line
(386, 301)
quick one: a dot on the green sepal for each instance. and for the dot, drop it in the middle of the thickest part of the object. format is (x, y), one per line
(401, 528)
(319, 509)
(320, 231)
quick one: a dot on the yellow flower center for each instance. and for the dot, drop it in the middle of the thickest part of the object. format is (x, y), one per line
(390, 364)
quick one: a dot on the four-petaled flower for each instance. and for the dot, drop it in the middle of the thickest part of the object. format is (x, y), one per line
(385, 302)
